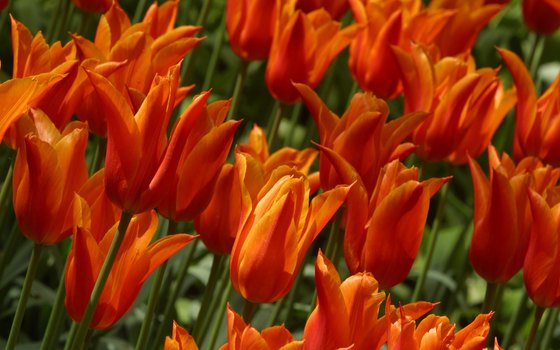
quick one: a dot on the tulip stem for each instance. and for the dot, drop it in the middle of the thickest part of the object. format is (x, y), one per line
(220, 312)
(551, 322)
(534, 327)
(249, 309)
(535, 55)
(238, 89)
(140, 8)
(273, 127)
(432, 243)
(57, 312)
(183, 269)
(491, 289)
(25, 291)
(296, 111)
(216, 48)
(520, 311)
(205, 307)
(82, 330)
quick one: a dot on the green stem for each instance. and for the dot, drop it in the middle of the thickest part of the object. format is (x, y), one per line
(238, 89)
(221, 313)
(205, 308)
(272, 133)
(5, 191)
(140, 8)
(535, 55)
(87, 340)
(20, 311)
(101, 280)
(515, 321)
(491, 289)
(179, 280)
(332, 243)
(64, 21)
(249, 309)
(11, 246)
(534, 327)
(57, 313)
(293, 123)
(216, 48)
(551, 322)
(431, 244)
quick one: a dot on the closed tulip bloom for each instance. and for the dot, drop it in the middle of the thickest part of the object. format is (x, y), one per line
(3, 4)
(541, 16)
(336, 8)
(304, 45)
(502, 217)
(536, 118)
(362, 135)
(180, 339)
(347, 313)
(242, 336)
(250, 25)
(136, 260)
(466, 105)
(271, 243)
(437, 332)
(398, 205)
(93, 5)
(50, 167)
(540, 268)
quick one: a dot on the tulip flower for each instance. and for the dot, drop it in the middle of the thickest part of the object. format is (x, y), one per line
(272, 242)
(540, 267)
(244, 337)
(180, 339)
(347, 313)
(50, 166)
(501, 220)
(399, 204)
(336, 8)
(362, 135)
(93, 5)
(238, 185)
(250, 26)
(541, 16)
(3, 4)
(436, 332)
(136, 260)
(466, 106)
(536, 119)
(303, 47)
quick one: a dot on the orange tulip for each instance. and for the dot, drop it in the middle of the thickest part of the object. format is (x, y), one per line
(303, 47)
(238, 186)
(541, 16)
(540, 268)
(536, 120)
(136, 260)
(399, 204)
(272, 242)
(244, 337)
(466, 105)
(250, 26)
(94, 5)
(362, 135)
(346, 315)
(336, 8)
(50, 166)
(436, 332)
(180, 339)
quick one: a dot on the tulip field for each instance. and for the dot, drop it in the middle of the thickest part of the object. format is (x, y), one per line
(279, 174)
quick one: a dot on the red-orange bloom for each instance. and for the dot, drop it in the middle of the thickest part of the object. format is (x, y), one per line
(537, 121)
(466, 105)
(336, 8)
(384, 236)
(273, 240)
(244, 337)
(3, 4)
(250, 25)
(94, 5)
(50, 167)
(346, 315)
(238, 186)
(303, 47)
(362, 135)
(436, 332)
(541, 16)
(136, 260)
(502, 218)
(540, 268)
(180, 339)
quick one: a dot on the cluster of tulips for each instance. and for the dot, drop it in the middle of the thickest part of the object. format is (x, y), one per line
(112, 153)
